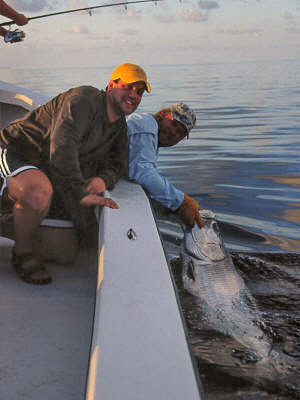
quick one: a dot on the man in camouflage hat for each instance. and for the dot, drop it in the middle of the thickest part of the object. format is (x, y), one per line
(146, 133)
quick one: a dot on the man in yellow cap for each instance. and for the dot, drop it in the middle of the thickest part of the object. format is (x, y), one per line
(73, 148)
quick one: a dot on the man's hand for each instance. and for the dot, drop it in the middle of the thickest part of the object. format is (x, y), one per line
(20, 19)
(95, 185)
(94, 200)
(189, 212)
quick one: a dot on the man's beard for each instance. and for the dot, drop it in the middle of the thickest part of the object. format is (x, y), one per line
(116, 105)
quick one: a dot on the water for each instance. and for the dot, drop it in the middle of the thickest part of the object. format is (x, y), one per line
(242, 159)
(225, 374)
(242, 162)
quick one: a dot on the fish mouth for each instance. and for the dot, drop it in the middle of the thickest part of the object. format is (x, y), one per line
(205, 244)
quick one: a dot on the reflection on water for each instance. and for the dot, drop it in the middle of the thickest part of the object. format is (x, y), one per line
(292, 180)
(242, 159)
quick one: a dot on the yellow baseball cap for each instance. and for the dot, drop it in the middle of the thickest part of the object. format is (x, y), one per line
(130, 73)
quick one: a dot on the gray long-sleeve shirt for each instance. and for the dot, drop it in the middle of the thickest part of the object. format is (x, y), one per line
(71, 139)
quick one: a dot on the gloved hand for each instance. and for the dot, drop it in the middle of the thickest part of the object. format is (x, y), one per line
(188, 212)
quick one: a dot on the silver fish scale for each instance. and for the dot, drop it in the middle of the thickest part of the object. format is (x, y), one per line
(209, 274)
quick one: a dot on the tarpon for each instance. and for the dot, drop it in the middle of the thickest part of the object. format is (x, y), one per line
(209, 274)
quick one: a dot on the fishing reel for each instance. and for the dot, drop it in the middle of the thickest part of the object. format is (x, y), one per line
(14, 36)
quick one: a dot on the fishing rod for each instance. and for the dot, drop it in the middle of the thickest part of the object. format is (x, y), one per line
(124, 3)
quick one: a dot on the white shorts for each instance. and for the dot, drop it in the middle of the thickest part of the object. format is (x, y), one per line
(11, 164)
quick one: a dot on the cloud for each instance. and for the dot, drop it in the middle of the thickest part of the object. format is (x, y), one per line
(129, 32)
(166, 18)
(293, 30)
(80, 29)
(250, 1)
(75, 4)
(133, 14)
(192, 15)
(208, 5)
(32, 5)
(289, 17)
(240, 31)
(129, 11)
(162, 4)
(292, 23)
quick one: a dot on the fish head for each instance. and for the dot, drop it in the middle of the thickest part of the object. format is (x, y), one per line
(205, 243)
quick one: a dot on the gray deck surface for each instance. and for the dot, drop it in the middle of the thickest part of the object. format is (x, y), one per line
(45, 331)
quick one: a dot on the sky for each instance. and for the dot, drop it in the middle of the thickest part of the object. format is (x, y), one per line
(170, 32)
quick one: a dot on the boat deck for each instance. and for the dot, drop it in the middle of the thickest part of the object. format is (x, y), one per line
(45, 331)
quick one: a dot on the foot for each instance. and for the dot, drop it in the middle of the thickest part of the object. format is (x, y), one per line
(30, 269)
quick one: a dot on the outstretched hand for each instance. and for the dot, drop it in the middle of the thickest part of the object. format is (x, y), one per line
(20, 19)
(94, 200)
(189, 212)
(95, 185)
(199, 220)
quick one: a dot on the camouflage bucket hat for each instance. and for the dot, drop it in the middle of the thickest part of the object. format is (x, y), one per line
(183, 114)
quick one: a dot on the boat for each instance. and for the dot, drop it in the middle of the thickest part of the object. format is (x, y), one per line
(110, 324)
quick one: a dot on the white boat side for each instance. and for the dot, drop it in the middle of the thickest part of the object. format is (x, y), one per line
(15, 101)
(140, 349)
(130, 319)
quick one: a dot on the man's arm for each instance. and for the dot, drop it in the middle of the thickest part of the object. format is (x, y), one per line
(65, 137)
(64, 171)
(3, 31)
(9, 12)
(143, 170)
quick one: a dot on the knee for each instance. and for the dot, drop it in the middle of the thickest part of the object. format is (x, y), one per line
(38, 197)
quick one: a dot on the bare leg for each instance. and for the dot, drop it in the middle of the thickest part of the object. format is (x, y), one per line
(32, 192)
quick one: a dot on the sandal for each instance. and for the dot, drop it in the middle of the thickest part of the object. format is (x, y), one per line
(30, 269)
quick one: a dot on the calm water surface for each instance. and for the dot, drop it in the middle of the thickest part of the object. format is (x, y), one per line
(242, 160)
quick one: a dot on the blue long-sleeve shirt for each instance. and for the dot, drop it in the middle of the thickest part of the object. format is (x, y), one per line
(143, 153)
